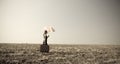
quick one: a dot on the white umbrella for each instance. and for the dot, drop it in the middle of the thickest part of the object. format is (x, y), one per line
(49, 29)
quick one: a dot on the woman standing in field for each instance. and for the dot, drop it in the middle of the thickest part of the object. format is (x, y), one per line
(45, 37)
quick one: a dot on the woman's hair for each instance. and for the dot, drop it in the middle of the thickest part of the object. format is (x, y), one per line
(45, 32)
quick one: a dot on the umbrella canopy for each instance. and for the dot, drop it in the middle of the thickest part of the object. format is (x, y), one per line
(49, 29)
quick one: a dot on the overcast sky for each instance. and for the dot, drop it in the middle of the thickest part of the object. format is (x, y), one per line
(75, 21)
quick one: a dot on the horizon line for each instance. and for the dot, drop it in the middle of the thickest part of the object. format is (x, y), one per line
(63, 43)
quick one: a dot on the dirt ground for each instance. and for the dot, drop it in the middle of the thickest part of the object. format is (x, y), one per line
(59, 54)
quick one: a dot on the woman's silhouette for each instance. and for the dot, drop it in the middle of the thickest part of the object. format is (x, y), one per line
(45, 37)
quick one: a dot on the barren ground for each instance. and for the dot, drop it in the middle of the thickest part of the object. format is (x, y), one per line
(59, 54)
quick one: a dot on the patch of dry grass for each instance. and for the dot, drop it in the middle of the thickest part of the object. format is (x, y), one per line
(59, 54)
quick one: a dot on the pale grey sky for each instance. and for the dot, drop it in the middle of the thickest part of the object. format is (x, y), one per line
(75, 21)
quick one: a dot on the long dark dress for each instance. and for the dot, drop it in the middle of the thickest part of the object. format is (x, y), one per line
(45, 39)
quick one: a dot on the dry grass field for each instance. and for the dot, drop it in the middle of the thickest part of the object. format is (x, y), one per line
(59, 54)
